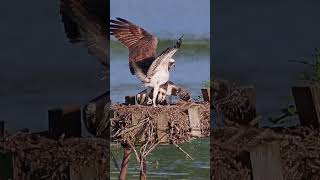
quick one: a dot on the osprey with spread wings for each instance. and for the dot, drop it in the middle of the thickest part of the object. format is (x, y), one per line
(151, 69)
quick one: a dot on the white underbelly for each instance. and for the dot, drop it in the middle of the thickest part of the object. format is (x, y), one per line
(159, 78)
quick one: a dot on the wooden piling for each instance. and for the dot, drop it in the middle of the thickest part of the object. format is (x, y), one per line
(125, 163)
(6, 164)
(94, 116)
(206, 94)
(138, 116)
(266, 162)
(1, 129)
(66, 120)
(130, 100)
(162, 126)
(307, 100)
(250, 93)
(194, 119)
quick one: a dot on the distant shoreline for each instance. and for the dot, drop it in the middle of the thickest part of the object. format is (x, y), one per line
(189, 46)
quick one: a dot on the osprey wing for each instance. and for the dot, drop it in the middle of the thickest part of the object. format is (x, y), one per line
(166, 54)
(141, 44)
(85, 22)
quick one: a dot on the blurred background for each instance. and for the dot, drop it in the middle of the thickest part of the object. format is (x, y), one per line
(254, 41)
(39, 68)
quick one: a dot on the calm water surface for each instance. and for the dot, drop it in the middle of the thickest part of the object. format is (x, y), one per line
(173, 163)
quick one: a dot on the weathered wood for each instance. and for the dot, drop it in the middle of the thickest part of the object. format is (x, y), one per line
(6, 165)
(80, 172)
(266, 162)
(136, 118)
(162, 126)
(66, 120)
(250, 93)
(194, 119)
(130, 100)
(206, 94)
(1, 129)
(125, 163)
(307, 100)
(94, 116)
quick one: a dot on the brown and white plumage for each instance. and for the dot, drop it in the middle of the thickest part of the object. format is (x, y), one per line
(158, 73)
(165, 92)
(151, 69)
(85, 21)
(141, 44)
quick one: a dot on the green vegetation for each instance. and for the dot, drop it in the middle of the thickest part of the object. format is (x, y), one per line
(189, 47)
(205, 85)
(286, 112)
(313, 75)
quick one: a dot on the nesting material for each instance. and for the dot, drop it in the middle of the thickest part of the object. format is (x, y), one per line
(40, 157)
(299, 151)
(130, 122)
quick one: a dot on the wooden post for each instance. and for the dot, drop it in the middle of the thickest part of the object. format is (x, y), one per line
(162, 126)
(266, 162)
(125, 163)
(6, 164)
(206, 94)
(194, 120)
(130, 100)
(307, 100)
(137, 116)
(65, 120)
(1, 129)
(94, 115)
(249, 92)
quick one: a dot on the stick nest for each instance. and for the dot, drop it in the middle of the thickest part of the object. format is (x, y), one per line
(299, 149)
(43, 158)
(178, 127)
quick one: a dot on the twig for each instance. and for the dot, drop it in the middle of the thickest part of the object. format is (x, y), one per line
(131, 128)
(114, 161)
(183, 151)
(135, 152)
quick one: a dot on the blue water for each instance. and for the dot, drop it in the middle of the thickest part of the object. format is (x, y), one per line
(189, 72)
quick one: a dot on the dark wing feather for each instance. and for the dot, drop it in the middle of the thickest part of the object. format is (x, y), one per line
(85, 21)
(141, 44)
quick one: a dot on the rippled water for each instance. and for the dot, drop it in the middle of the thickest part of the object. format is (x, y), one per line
(172, 162)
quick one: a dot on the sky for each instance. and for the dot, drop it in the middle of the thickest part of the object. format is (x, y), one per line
(166, 18)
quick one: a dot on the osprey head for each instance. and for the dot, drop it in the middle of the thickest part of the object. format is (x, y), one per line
(172, 63)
